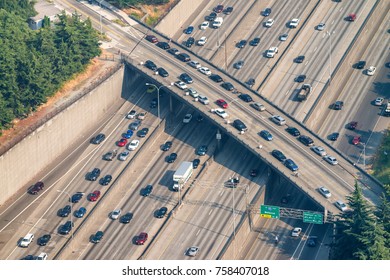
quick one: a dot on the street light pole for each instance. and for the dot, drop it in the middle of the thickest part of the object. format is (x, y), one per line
(101, 29)
(71, 214)
(158, 97)
(330, 55)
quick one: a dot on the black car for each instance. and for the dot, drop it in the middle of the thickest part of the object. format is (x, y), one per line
(92, 176)
(76, 197)
(293, 131)
(186, 78)
(338, 105)
(126, 218)
(190, 41)
(306, 140)
(162, 72)
(163, 45)
(255, 41)
(254, 172)
(279, 155)
(98, 139)
(216, 78)
(143, 132)
(199, 118)
(286, 199)
(97, 237)
(300, 59)
(154, 103)
(66, 228)
(211, 17)
(312, 241)
(106, 180)
(34, 189)
(167, 145)
(360, 65)
(240, 125)
(147, 190)
(174, 51)
(300, 78)
(44, 239)
(171, 158)
(334, 136)
(251, 82)
(161, 212)
(202, 150)
(195, 163)
(64, 212)
(241, 44)
(183, 57)
(29, 258)
(245, 97)
(80, 212)
(228, 86)
(151, 65)
(228, 10)
(266, 12)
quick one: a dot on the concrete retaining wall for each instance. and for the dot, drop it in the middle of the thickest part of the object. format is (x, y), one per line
(25, 160)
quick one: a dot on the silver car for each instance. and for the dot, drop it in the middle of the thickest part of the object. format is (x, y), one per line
(319, 150)
(192, 251)
(258, 106)
(325, 192)
(331, 160)
(203, 99)
(123, 156)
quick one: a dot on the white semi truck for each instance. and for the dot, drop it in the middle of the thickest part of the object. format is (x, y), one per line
(182, 174)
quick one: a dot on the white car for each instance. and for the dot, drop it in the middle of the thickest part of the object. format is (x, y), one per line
(181, 85)
(278, 120)
(192, 251)
(202, 41)
(296, 232)
(133, 145)
(325, 192)
(42, 256)
(123, 156)
(187, 118)
(205, 70)
(283, 37)
(26, 240)
(194, 64)
(131, 114)
(371, 70)
(321, 26)
(269, 22)
(258, 106)
(379, 101)
(271, 52)
(193, 92)
(203, 99)
(294, 22)
(331, 160)
(115, 214)
(221, 112)
(341, 205)
(319, 150)
(204, 25)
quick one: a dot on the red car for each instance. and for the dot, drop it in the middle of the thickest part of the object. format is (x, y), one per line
(34, 189)
(356, 140)
(351, 17)
(151, 38)
(122, 142)
(222, 103)
(218, 9)
(352, 125)
(94, 196)
(141, 238)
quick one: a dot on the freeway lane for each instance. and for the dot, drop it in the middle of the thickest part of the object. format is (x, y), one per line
(314, 172)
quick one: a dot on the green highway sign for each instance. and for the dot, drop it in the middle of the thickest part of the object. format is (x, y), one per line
(267, 211)
(314, 218)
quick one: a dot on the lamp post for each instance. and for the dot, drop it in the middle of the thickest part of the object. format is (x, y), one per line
(71, 214)
(158, 97)
(330, 55)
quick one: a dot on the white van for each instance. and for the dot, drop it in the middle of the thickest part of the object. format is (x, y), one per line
(26, 240)
(217, 22)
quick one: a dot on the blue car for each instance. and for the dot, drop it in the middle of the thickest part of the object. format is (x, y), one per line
(266, 135)
(80, 213)
(290, 164)
(189, 30)
(128, 134)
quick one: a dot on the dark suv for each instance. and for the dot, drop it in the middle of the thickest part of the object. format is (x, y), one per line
(34, 189)
(240, 125)
(183, 57)
(151, 65)
(186, 78)
(98, 138)
(66, 228)
(293, 131)
(228, 86)
(306, 140)
(92, 176)
(163, 45)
